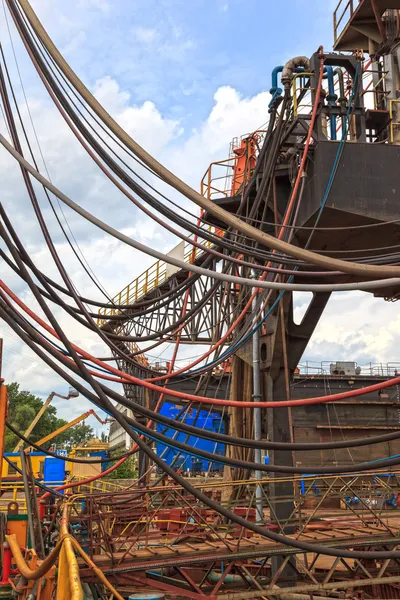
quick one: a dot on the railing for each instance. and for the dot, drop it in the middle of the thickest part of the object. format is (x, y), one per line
(347, 7)
(372, 87)
(11, 491)
(99, 485)
(154, 276)
(220, 183)
(302, 105)
(221, 177)
(390, 369)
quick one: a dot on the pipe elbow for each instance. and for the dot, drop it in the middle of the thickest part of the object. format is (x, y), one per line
(290, 68)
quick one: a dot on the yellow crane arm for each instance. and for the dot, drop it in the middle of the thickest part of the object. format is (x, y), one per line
(35, 421)
(68, 425)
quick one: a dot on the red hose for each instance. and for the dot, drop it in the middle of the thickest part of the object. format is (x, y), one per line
(126, 378)
(202, 399)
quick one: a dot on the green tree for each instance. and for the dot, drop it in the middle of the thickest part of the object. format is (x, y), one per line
(125, 471)
(22, 409)
(75, 436)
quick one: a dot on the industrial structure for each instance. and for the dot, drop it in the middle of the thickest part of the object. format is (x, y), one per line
(257, 475)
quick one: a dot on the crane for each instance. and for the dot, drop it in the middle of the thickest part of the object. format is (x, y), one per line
(71, 394)
(67, 426)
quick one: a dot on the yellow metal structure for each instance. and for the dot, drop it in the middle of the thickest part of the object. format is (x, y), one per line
(67, 426)
(13, 492)
(35, 420)
(296, 105)
(7, 470)
(69, 585)
(71, 394)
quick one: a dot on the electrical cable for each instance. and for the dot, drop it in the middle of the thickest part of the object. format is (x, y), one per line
(358, 269)
(81, 368)
(131, 379)
(99, 402)
(171, 179)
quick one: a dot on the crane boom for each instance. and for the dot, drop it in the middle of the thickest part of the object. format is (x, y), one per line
(35, 421)
(69, 425)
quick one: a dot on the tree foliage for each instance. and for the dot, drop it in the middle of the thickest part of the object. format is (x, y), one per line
(22, 409)
(125, 471)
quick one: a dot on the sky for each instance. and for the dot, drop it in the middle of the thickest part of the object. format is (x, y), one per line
(183, 78)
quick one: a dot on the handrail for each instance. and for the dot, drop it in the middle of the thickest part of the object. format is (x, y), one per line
(336, 21)
(295, 89)
(152, 278)
(369, 370)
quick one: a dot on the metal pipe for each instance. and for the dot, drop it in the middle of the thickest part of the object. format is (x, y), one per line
(308, 589)
(342, 98)
(257, 411)
(23, 567)
(7, 559)
(35, 507)
(274, 82)
(331, 99)
(72, 581)
(291, 67)
(275, 90)
(29, 507)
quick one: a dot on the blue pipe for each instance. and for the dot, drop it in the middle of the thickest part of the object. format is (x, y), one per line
(331, 99)
(276, 92)
(275, 72)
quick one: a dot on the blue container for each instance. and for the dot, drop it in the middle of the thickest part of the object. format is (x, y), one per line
(201, 419)
(53, 470)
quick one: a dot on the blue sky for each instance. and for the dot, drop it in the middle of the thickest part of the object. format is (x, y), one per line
(183, 77)
(177, 53)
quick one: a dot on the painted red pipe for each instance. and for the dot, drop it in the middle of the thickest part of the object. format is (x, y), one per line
(202, 399)
(7, 560)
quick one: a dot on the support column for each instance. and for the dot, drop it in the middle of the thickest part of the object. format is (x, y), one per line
(283, 333)
(257, 417)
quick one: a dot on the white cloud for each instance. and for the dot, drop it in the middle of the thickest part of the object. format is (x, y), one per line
(231, 116)
(145, 35)
(144, 123)
(357, 327)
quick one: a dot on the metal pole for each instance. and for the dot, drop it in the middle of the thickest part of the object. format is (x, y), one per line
(3, 414)
(257, 412)
(35, 508)
(309, 589)
(28, 498)
(1, 356)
